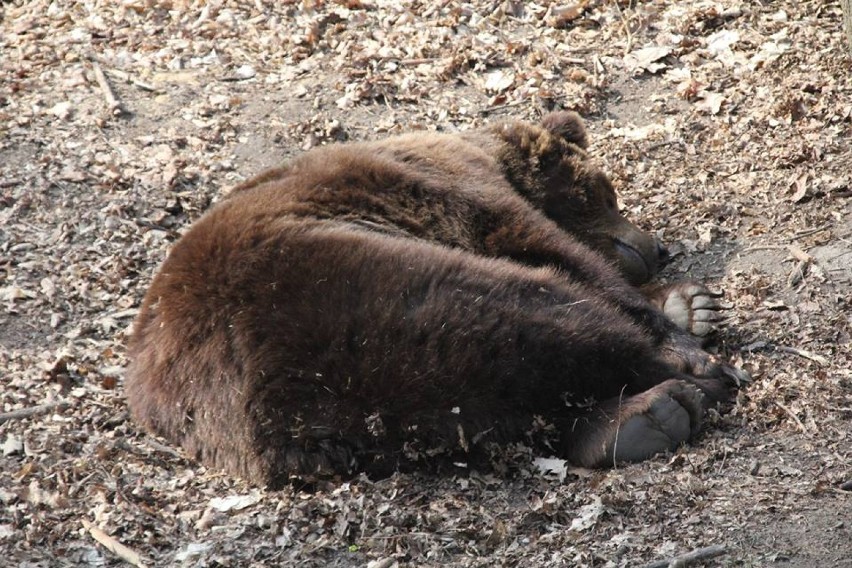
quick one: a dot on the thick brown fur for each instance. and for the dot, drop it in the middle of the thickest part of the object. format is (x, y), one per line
(373, 304)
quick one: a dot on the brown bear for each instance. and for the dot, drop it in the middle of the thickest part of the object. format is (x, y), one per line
(373, 305)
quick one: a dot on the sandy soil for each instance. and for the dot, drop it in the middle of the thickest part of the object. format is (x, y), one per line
(726, 127)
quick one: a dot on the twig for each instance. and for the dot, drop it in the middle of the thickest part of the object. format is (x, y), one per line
(127, 78)
(802, 353)
(164, 449)
(757, 346)
(763, 247)
(597, 70)
(519, 102)
(503, 106)
(675, 141)
(690, 557)
(617, 428)
(794, 417)
(112, 102)
(31, 411)
(809, 232)
(766, 346)
(123, 552)
(416, 61)
(625, 21)
(156, 446)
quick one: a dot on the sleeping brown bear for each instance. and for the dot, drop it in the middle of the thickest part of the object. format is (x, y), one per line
(373, 305)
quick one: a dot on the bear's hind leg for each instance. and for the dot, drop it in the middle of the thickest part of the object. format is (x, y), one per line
(634, 428)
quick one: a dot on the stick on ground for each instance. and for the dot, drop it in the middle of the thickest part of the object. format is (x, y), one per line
(802, 353)
(690, 557)
(123, 552)
(30, 411)
(795, 418)
(112, 101)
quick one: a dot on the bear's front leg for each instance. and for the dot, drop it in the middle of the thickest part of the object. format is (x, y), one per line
(716, 378)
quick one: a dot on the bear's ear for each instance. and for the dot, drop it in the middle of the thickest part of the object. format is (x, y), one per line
(568, 126)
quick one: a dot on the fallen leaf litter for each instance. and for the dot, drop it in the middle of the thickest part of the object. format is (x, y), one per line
(724, 125)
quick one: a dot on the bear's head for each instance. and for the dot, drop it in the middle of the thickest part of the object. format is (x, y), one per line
(548, 165)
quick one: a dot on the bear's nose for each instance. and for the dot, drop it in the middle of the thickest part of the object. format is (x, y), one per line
(662, 253)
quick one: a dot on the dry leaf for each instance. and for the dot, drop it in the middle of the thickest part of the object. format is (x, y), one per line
(235, 502)
(770, 51)
(646, 59)
(800, 187)
(552, 467)
(62, 110)
(561, 16)
(647, 132)
(710, 102)
(722, 41)
(13, 445)
(499, 80)
(587, 515)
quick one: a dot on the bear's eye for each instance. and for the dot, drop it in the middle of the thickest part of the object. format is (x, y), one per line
(611, 204)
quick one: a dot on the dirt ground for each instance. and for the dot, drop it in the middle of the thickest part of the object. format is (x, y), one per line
(725, 125)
